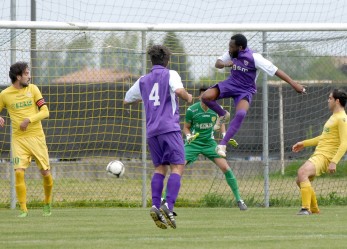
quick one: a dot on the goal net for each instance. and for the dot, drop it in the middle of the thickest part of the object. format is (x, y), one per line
(84, 74)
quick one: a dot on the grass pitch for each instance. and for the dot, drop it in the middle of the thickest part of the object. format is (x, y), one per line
(196, 228)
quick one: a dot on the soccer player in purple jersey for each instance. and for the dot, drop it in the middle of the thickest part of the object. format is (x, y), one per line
(159, 90)
(240, 85)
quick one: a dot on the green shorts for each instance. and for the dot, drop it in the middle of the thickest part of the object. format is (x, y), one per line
(206, 148)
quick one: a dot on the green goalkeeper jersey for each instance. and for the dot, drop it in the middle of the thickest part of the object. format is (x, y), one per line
(201, 122)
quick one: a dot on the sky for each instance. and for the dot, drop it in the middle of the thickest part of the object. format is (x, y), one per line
(180, 11)
(173, 11)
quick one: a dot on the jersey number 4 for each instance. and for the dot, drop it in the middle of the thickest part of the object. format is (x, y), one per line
(154, 95)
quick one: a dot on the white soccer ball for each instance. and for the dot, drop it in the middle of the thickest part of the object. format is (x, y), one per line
(115, 168)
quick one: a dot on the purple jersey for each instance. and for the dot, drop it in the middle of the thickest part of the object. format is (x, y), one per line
(243, 73)
(157, 90)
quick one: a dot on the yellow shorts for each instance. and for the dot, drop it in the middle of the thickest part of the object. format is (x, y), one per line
(320, 162)
(26, 148)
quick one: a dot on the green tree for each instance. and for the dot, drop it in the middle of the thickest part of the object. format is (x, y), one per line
(179, 59)
(215, 77)
(148, 60)
(302, 64)
(295, 60)
(324, 68)
(122, 53)
(79, 54)
(50, 62)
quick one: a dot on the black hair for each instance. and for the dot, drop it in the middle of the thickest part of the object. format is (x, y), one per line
(341, 95)
(17, 69)
(240, 40)
(202, 89)
(159, 54)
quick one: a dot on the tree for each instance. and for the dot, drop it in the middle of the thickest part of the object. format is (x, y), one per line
(121, 53)
(214, 77)
(50, 62)
(324, 68)
(148, 60)
(293, 59)
(79, 54)
(179, 60)
(302, 64)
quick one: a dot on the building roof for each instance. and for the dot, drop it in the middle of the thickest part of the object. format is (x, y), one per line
(93, 75)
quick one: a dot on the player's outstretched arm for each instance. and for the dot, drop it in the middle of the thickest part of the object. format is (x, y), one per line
(283, 76)
(299, 146)
(306, 143)
(183, 94)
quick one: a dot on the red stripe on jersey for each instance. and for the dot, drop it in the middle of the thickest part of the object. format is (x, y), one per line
(40, 102)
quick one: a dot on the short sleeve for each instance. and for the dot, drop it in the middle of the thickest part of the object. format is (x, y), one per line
(264, 64)
(225, 57)
(175, 81)
(134, 93)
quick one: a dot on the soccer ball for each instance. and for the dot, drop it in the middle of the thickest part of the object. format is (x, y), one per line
(115, 168)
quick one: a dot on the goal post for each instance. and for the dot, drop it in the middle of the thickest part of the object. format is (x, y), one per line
(84, 70)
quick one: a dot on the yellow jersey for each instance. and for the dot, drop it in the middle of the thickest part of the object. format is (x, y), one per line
(24, 103)
(332, 143)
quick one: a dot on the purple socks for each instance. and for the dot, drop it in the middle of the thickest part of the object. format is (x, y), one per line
(173, 187)
(213, 105)
(234, 126)
(157, 185)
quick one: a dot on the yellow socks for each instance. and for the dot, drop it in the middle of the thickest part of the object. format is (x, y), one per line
(21, 190)
(48, 185)
(306, 193)
(314, 204)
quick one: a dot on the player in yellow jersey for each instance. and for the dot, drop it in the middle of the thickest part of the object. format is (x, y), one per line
(331, 145)
(27, 108)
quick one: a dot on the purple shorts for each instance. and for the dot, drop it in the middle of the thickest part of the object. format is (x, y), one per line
(227, 90)
(167, 148)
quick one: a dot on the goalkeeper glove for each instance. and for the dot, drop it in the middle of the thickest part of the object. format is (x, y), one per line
(232, 142)
(191, 138)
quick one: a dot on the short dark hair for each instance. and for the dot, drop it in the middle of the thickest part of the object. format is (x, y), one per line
(159, 54)
(240, 40)
(341, 95)
(16, 69)
(202, 89)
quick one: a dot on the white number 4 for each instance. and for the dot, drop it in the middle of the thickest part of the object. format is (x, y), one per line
(154, 95)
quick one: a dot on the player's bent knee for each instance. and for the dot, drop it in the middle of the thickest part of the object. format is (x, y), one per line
(45, 172)
(177, 169)
(222, 164)
(303, 175)
(210, 95)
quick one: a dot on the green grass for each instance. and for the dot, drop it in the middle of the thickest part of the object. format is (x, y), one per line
(197, 228)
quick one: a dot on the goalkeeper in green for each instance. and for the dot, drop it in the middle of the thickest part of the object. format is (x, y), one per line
(199, 132)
